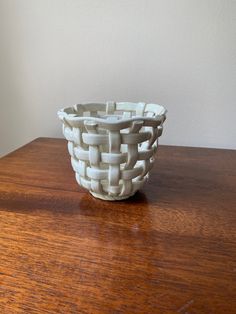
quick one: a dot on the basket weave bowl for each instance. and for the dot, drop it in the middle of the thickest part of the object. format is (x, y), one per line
(112, 145)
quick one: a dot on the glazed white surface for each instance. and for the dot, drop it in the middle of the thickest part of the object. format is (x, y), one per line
(112, 145)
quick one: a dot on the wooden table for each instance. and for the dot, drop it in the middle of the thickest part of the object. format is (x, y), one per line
(169, 249)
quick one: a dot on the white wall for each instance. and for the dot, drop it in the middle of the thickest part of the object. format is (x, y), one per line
(180, 53)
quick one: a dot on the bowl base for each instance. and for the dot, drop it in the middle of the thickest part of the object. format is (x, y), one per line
(109, 197)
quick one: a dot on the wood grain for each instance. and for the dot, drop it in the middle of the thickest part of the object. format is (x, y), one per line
(169, 249)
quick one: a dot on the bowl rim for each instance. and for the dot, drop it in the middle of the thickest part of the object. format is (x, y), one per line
(71, 113)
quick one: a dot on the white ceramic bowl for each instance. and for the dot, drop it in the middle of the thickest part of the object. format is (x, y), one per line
(112, 145)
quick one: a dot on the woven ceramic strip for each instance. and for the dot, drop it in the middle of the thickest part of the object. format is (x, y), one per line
(112, 145)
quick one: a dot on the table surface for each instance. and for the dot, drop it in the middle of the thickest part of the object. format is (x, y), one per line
(169, 249)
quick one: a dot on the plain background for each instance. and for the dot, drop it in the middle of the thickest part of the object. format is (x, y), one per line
(180, 53)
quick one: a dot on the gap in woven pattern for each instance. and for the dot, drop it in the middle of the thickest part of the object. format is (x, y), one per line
(103, 166)
(125, 113)
(101, 130)
(87, 114)
(123, 148)
(100, 113)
